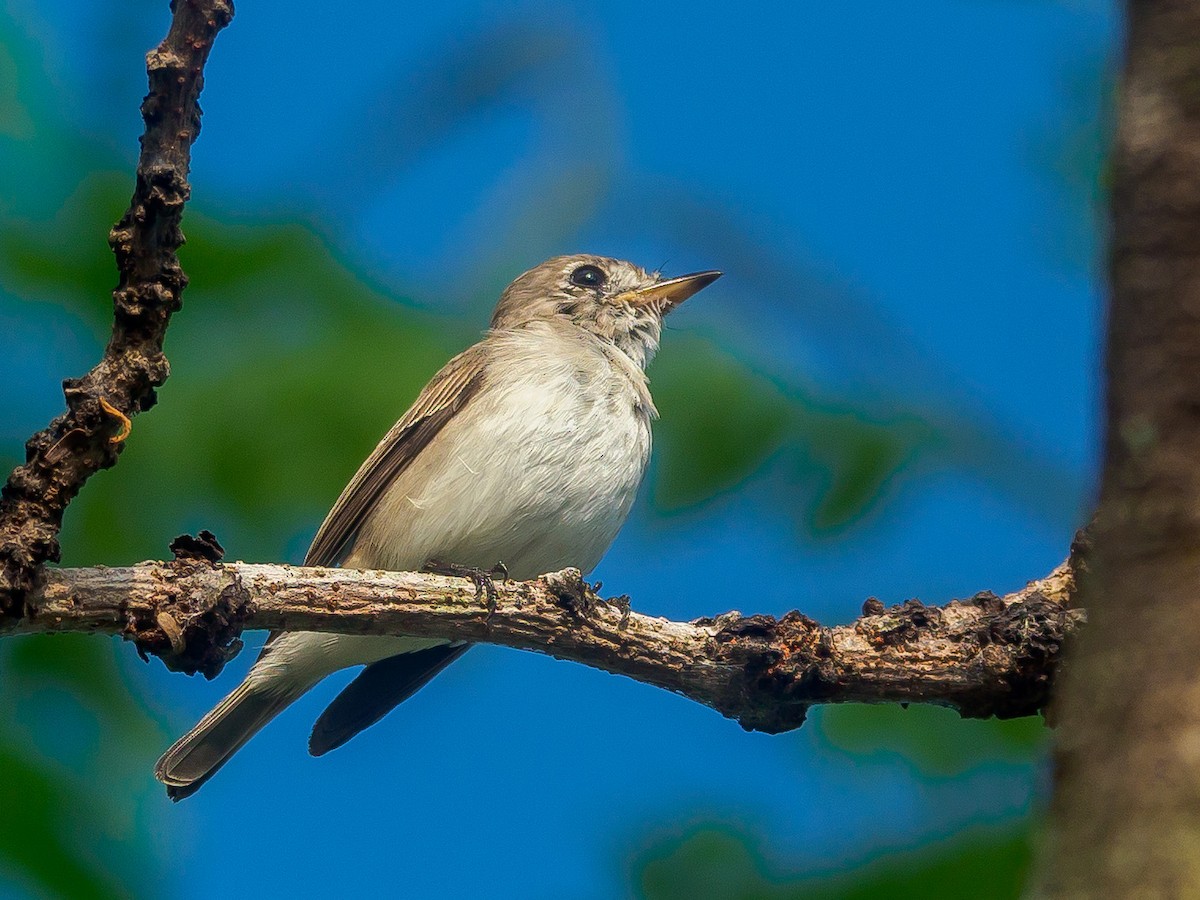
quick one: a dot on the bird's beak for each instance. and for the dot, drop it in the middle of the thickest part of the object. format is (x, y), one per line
(673, 291)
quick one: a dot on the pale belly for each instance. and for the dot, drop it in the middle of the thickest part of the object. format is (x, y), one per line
(538, 476)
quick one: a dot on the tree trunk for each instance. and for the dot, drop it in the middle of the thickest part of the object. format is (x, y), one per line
(1125, 818)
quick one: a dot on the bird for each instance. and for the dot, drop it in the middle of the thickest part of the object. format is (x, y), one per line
(525, 451)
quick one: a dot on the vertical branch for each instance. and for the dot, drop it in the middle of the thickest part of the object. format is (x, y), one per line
(89, 435)
(1125, 819)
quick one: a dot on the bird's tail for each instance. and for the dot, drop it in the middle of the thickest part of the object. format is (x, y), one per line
(195, 757)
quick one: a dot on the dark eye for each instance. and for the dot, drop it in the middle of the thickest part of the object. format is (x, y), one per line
(588, 276)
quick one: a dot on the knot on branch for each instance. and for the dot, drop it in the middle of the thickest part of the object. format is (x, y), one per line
(780, 661)
(150, 298)
(201, 546)
(571, 592)
(1032, 633)
(163, 189)
(898, 625)
(189, 632)
(19, 559)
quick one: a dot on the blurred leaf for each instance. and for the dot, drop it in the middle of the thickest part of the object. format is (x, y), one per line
(536, 65)
(83, 666)
(67, 259)
(859, 458)
(36, 806)
(982, 867)
(15, 121)
(716, 863)
(74, 742)
(722, 422)
(711, 863)
(935, 741)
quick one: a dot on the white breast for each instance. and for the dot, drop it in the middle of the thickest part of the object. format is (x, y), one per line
(539, 470)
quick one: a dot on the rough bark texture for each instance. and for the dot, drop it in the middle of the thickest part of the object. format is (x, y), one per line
(1125, 818)
(89, 435)
(986, 656)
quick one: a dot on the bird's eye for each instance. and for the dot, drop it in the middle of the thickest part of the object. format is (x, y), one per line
(588, 276)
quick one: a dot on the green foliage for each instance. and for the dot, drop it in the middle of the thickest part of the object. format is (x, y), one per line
(286, 371)
(713, 403)
(716, 862)
(936, 742)
(719, 864)
(37, 804)
(723, 421)
(71, 807)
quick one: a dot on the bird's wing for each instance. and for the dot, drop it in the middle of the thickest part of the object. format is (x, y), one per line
(447, 393)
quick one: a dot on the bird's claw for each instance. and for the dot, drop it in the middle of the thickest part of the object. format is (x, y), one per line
(483, 579)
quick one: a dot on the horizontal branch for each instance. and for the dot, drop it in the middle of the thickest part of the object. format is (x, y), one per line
(986, 656)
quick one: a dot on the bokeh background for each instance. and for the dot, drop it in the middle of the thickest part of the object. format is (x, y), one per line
(893, 392)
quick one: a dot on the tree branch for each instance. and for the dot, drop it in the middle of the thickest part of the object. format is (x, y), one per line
(984, 656)
(90, 434)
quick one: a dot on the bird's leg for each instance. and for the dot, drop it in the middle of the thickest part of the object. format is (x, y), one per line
(483, 579)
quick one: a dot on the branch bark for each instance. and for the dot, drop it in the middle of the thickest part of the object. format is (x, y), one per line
(90, 434)
(986, 656)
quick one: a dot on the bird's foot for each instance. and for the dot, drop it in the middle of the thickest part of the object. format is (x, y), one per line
(484, 579)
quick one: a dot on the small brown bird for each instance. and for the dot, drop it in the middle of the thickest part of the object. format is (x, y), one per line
(526, 448)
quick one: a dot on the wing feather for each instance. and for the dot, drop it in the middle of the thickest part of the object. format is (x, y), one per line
(449, 391)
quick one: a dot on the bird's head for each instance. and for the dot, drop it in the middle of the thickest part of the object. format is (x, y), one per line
(615, 300)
